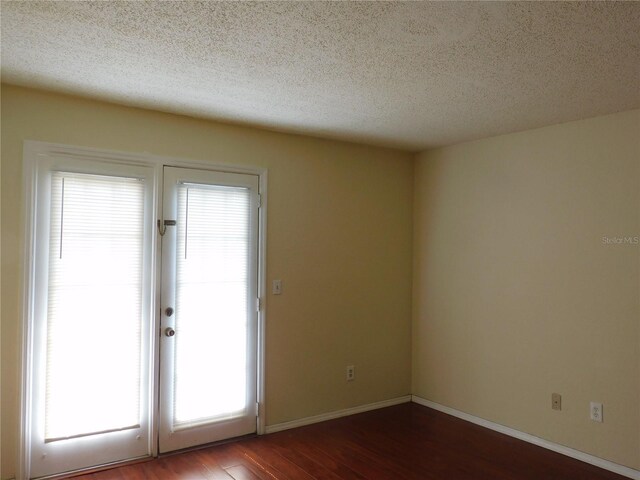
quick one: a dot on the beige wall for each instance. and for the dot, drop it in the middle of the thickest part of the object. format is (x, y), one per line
(339, 236)
(515, 294)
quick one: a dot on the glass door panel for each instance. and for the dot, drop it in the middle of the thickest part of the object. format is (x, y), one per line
(92, 316)
(209, 317)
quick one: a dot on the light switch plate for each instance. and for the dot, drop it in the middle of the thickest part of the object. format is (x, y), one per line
(276, 287)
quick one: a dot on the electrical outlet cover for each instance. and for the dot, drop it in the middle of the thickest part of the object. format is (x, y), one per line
(596, 412)
(351, 373)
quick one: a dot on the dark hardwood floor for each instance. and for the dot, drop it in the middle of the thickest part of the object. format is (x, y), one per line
(403, 442)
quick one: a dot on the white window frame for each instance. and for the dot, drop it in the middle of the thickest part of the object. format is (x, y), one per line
(35, 152)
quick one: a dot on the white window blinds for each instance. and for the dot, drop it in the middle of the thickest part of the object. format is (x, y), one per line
(94, 307)
(213, 242)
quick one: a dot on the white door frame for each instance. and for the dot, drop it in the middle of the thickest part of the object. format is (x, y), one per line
(32, 152)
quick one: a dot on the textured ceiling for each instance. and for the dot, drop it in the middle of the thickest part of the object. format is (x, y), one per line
(412, 75)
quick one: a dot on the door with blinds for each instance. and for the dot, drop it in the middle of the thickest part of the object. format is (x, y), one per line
(92, 295)
(142, 332)
(209, 307)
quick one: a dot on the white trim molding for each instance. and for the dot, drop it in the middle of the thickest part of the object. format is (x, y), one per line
(540, 442)
(278, 427)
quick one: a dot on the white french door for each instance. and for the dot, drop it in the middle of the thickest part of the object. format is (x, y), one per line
(92, 295)
(141, 333)
(209, 307)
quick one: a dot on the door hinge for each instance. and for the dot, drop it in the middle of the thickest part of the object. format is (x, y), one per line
(257, 409)
(259, 201)
(258, 304)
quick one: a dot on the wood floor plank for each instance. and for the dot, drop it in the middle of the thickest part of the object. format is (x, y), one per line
(404, 442)
(187, 467)
(309, 449)
(270, 460)
(240, 472)
(211, 464)
(233, 455)
(133, 472)
(228, 455)
(428, 458)
(319, 469)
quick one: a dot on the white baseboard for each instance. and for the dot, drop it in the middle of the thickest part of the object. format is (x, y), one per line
(278, 427)
(569, 452)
